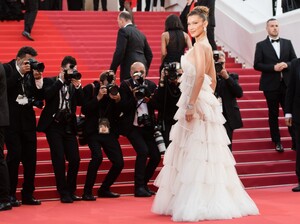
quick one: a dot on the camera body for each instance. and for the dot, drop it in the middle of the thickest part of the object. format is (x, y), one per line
(218, 65)
(170, 71)
(141, 89)
(69, 76)
(112, 89)
(144, 120)
(35, 65)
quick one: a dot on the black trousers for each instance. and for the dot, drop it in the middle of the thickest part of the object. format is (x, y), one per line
(74, 5)
(21, 147)
(162, 3)
(229, 131)
(144, 145)
(103, 3)
(297, 136)
(112, 149)
(211, 37)
(274, 98)
(31, 10)
(4, 183)
(63, 145)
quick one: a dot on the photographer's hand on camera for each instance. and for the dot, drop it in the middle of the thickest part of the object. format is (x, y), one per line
(224, 73)
(76, 83)
(102, 92)
(24, 66)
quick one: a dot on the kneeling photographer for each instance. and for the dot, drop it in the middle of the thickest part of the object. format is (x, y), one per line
(63, 94)
(100, 107)
(137, 124)
(167, 95)
(227, 90)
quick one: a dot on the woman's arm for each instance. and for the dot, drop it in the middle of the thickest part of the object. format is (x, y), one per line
(187, 40)
(164, 42)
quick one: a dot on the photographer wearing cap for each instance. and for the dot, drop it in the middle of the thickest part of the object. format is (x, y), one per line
(137, 124)
(58, 120)
(167, 95)
(24, 83)
(100, 107)
(227, 90)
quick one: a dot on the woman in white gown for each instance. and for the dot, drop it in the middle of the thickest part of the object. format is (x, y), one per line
(199, 180)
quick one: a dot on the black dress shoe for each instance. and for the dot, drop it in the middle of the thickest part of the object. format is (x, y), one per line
(141, 192)
(88, 197)
(107, 194)
(150, 191)
(296, 189)
(75, 197)
(279, 147)
(31, 201)
(27, 35)
(5, 206)
(66, 199)
(14, 202)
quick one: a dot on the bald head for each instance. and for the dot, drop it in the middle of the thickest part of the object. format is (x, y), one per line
(137, 67)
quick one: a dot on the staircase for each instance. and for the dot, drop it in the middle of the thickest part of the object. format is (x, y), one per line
(90, 37)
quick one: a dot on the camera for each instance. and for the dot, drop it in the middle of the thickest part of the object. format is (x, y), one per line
(159, 139)
(75, 75)
(144, 120)
(170, 70)
(141, 89)
(35, 65)
(218, 65)
(112, 88)
(63, 116)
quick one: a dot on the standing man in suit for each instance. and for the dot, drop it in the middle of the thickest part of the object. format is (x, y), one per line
(31, 10)
(227, 90)
(58, 120)
(24, 81)
(4, 121)
(292, 111)
(273, 58)
(137, 124)
(131, 46)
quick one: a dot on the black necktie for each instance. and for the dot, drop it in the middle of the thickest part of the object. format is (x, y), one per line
(272, 41)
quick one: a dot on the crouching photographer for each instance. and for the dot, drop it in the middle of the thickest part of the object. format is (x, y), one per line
(63, 94)
(166, 96)
(137, 124)
(227, 90)
(100, 107)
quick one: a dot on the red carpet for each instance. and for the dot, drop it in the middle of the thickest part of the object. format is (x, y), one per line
(276, 205)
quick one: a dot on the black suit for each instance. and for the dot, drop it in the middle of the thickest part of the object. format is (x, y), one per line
(62, 144)
(271, 82)
(293, 107)
(93, 110)
(4, 121)
(229, 89)
(20, 135)
(141, 138)
(132, 46)
(31, 10)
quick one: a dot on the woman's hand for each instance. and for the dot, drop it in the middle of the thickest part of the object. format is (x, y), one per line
(190, 110)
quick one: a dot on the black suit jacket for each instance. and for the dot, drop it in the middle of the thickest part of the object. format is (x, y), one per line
(4, 117)
(265, 58)
(128, 105)
(21, 117)
(229, 89)
(51, 91)
(94, 109)
(131, 46)
(292, 102)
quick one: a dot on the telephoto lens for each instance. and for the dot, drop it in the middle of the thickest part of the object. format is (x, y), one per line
(159, 140)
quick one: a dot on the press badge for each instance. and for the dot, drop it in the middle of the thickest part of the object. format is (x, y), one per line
(104, 126)
(22, 100)
(220, 104)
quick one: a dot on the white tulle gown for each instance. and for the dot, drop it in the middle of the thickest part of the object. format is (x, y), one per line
(198, 180)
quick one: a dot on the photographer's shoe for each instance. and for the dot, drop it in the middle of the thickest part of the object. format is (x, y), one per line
(27, 35)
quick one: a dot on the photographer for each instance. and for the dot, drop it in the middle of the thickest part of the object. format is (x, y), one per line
(24, 81)
(100, 108)
(137, 124)
(58, 120)
(167, 95)
(227, 90)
